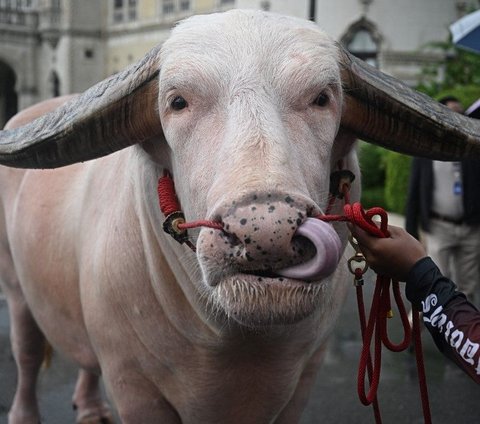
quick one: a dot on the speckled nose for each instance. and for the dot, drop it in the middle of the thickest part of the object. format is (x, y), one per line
(263, 232)
(275, 236)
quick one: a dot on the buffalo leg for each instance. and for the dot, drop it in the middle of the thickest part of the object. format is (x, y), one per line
(28, 346)
(87, 400)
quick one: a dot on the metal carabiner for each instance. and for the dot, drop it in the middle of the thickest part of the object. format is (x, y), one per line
(357, 264)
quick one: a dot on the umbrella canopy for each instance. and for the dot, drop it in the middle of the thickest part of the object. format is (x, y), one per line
(466, 32)
(474, 110)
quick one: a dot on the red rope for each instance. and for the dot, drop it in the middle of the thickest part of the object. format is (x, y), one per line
(169, 204)
(376, 327)
(167, 197)
(422, 378)
(368, 359)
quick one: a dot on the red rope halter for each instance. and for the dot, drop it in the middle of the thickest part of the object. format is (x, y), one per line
(375, 328)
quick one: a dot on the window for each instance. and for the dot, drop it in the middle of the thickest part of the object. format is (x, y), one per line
(118, 11)
(168, 7)
(124, 10)
(24, 4)
(362, 40)
(364, 47)
(132, 10)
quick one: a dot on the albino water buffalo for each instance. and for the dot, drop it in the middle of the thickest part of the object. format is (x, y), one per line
(251, 112)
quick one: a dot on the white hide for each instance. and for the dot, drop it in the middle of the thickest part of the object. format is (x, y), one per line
(212, 337)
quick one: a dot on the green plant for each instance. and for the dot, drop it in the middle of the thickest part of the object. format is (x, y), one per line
(397, 174)
(372, 166)
(456, 72)
(466, 94)
(373, 196)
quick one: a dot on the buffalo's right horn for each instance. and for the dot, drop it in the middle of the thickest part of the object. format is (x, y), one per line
(115, 113)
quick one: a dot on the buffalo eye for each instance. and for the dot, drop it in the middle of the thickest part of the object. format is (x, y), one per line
(322, 100)
(178, 103)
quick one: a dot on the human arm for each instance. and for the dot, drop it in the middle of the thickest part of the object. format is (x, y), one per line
(451, 319)
(453, 322)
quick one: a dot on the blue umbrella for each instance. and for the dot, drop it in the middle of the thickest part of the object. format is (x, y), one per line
(474, 110)
(466, 32)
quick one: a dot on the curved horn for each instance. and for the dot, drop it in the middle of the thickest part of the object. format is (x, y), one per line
(115, 113)
(384, 111)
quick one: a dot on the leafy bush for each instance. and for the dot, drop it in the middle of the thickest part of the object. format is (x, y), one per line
(372, 166)
(466, 94)
(373, 196)
(385, 176)
(456, 73)
(397, 175)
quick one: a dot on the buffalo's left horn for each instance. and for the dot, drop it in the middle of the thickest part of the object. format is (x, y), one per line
(115, 113)
(384, 111)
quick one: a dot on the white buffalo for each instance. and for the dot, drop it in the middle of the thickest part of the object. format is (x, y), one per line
(251, 112)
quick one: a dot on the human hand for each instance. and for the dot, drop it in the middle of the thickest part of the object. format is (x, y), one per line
(393, 256)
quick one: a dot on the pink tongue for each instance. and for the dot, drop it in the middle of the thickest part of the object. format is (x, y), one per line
(328, 246)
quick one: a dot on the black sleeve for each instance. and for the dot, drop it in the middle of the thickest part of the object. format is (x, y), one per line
(451, 319)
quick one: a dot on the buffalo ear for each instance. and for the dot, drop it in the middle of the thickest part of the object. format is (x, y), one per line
(384, 111)
(115, 113)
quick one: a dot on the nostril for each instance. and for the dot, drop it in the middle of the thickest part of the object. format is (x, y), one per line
(303, 248)
(327, 248)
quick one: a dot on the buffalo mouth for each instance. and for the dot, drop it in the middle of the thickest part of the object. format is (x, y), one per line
(263, 298)
(264, 274)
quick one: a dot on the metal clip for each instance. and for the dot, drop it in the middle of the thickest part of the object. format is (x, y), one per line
(357, 264)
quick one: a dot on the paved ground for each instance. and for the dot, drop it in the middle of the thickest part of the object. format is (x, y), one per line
(454, 398)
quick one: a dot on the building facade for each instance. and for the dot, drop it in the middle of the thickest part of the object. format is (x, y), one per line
(56, 47)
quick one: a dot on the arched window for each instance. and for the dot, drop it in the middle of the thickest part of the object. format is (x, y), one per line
(363, 40)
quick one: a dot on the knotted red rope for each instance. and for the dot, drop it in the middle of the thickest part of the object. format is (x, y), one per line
(375, 328)
(169, 204)
(380, 311)
(174, 223)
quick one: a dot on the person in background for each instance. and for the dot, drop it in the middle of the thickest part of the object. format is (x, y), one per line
(444, 202)
(451, 319)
